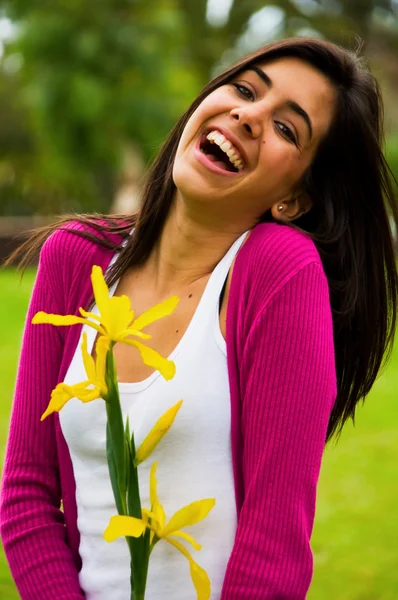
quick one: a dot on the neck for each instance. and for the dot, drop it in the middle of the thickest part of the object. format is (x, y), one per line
(190, 246)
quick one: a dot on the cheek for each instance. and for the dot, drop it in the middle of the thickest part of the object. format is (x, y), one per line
(279, 160)
(278, 171)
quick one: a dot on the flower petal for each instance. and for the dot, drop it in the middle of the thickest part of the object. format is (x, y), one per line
(88, 361)
(153, 496)
(160, 516)
(199, 576)
(156, 312)
(156, 507)
(47, 318)
(116, 313)
(94, 324)
(159, 430)
(146, 515)
(59, 397)
(90, 315)
(119, 317)
(123, 526)
(101, 292)
(189, 515)
(134, 332)
(187, 538)
(101, 350)
(88, 395)
(153, 359)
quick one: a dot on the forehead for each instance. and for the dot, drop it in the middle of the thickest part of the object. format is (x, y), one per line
(297, 80)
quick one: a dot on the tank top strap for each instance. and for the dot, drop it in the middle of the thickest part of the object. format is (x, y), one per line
(218, 277)
(211, 295)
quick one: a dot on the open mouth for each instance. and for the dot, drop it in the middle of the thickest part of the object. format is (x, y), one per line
(221, 151)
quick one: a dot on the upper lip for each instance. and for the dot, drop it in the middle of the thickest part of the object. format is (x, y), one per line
(233, 139)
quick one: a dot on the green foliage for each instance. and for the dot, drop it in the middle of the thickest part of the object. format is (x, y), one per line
(82, 81)
(392, 154)
(354, 540)
(94, 77)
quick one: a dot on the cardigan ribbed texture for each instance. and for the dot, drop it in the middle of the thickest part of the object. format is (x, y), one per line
(282, 385)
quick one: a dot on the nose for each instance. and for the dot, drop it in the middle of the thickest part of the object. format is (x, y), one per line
(249, 120)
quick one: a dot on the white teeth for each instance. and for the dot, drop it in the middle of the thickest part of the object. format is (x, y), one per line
(218, 138)
(225, 146)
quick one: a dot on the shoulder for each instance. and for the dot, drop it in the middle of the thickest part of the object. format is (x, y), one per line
(278, 286)
(77, 235)
(76, 242)
(273, 255)
(277, 251)
(271, 244)
(68, 254)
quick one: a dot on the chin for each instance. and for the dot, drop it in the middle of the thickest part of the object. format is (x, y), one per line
(191, 184)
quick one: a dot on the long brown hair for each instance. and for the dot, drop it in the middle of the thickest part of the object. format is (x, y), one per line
(350, 185)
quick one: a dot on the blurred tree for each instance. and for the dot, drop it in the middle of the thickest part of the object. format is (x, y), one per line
(93, 76)
(81, 81)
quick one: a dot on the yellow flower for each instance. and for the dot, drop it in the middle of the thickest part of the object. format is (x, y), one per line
(93, 388)
(158, 431)
(155, 520)
(116, 321)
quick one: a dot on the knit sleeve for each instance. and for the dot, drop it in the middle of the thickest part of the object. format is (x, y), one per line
(287, 387)
(32, 524)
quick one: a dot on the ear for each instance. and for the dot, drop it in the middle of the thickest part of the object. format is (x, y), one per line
(290, 210)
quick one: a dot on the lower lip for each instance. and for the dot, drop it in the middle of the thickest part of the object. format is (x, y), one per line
(206, 162)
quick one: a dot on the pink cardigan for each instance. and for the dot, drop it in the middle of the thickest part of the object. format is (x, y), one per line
(282, 383)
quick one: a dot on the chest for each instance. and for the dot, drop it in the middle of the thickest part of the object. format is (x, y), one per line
(194, 462)
(167, 332)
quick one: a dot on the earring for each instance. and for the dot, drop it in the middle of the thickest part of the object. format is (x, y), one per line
(280, 208)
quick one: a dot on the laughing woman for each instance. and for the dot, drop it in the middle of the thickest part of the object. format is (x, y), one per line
(268, 213)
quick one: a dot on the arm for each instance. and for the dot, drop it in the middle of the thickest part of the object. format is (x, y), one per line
(32, 526)
(288, 386)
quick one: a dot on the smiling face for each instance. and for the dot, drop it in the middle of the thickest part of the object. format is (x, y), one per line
(248, 144)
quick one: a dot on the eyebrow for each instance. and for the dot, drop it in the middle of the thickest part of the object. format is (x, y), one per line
(291, 103)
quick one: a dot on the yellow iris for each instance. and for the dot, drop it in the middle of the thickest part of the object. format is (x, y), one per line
(116, 321)
(157, 432)
(155, 520)
(93, 388)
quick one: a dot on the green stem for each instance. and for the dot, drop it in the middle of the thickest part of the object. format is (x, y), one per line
(120, 505)
(124, 479)
(138, 585)
(139, 547)
(115, 428)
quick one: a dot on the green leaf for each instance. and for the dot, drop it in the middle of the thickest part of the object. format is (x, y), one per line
(113, 473)
(115, 422)
(139, 547)
(133, 494)
(127, 430)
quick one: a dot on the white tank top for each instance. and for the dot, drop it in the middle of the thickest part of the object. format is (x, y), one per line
(194, 459)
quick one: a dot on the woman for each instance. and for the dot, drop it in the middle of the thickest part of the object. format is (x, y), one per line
(265, 213)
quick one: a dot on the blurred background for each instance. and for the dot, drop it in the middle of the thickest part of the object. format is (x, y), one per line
(88, 91)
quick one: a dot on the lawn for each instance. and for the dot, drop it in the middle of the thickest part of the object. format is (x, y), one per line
(356, 529)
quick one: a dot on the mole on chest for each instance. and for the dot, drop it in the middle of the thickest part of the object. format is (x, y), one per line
(166, 335)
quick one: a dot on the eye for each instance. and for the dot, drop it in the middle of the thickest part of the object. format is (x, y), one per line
(243, 91)
(286, 132)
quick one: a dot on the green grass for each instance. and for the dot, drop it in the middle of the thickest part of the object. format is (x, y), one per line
(14, 297)
(356, 529)
(355, 538)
